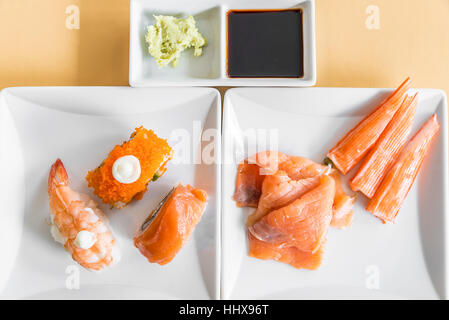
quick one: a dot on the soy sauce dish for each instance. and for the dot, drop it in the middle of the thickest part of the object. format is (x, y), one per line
(265, 43)
(222, 43)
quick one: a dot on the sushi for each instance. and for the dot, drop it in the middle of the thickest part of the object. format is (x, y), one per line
(129, 167)
(357, 142)
(78, 224)
(387, 201)
(168, 228)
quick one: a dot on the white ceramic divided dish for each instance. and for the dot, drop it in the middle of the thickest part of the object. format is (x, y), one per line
(210, 68)
(368, 260)
(81, 125)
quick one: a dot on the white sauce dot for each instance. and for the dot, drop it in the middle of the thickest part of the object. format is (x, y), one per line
(85, 239)
(126, 169)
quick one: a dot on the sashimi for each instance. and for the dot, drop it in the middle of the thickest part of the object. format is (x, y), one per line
(170, 225)
(248, 185)
(357, 142)
(303, 223)
(386, 150)
(279, 190)
(343, 203)
(296, 175)
(268, 161)
(253, 170)
(290, 255)
(394, 188)
(296, 167)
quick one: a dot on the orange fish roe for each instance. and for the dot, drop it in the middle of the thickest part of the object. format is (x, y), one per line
(153, 154)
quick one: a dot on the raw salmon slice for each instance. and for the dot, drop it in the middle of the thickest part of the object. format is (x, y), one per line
(251, 178)
(279, 190)
(268, 161)
(343, 203)
(386, 150)
(357, 142)
(252, 172)
(394, 188)
(296, 167)
(289, 255)
(170, 225)
(248, 185)
(303, 223)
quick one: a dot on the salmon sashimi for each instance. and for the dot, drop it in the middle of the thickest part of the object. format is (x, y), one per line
(303, 223)
(296, 175)
(394, 188)
(290, 255)
(386, 150)
(357, 142)
(296, 167)
(252, 172)
(279, 190)
(301, 168)
(248, 185)
(170, 225)
(268, 161)
(343, 203)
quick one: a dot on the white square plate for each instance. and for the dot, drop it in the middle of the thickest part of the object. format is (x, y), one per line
(81, 125)
(210, 68)
(368, 260)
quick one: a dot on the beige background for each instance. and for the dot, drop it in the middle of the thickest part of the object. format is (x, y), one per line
(36, 48)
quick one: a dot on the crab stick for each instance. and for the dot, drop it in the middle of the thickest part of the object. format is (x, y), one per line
(357, 142)
(394, 188)
(386, 150)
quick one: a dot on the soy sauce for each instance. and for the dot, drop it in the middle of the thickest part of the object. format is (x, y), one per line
(265, 43)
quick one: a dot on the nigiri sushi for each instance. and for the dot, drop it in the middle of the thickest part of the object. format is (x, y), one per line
(78, 224)
(168, 228)
(129, 167)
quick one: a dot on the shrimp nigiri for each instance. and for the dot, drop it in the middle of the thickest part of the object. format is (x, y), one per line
(78, 224)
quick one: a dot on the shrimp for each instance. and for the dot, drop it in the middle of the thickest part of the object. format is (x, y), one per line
(78, 224)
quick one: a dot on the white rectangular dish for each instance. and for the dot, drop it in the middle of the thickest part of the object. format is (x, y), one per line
(369, 260)
(210, 68)
(81, 125)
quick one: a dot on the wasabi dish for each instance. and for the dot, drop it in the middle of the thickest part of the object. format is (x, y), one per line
(170, 36)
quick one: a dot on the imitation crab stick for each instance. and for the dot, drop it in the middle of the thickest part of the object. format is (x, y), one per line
(357, 142)
(386, 150)
(394, 188)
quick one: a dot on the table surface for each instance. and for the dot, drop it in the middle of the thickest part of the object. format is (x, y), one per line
(411, 38)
